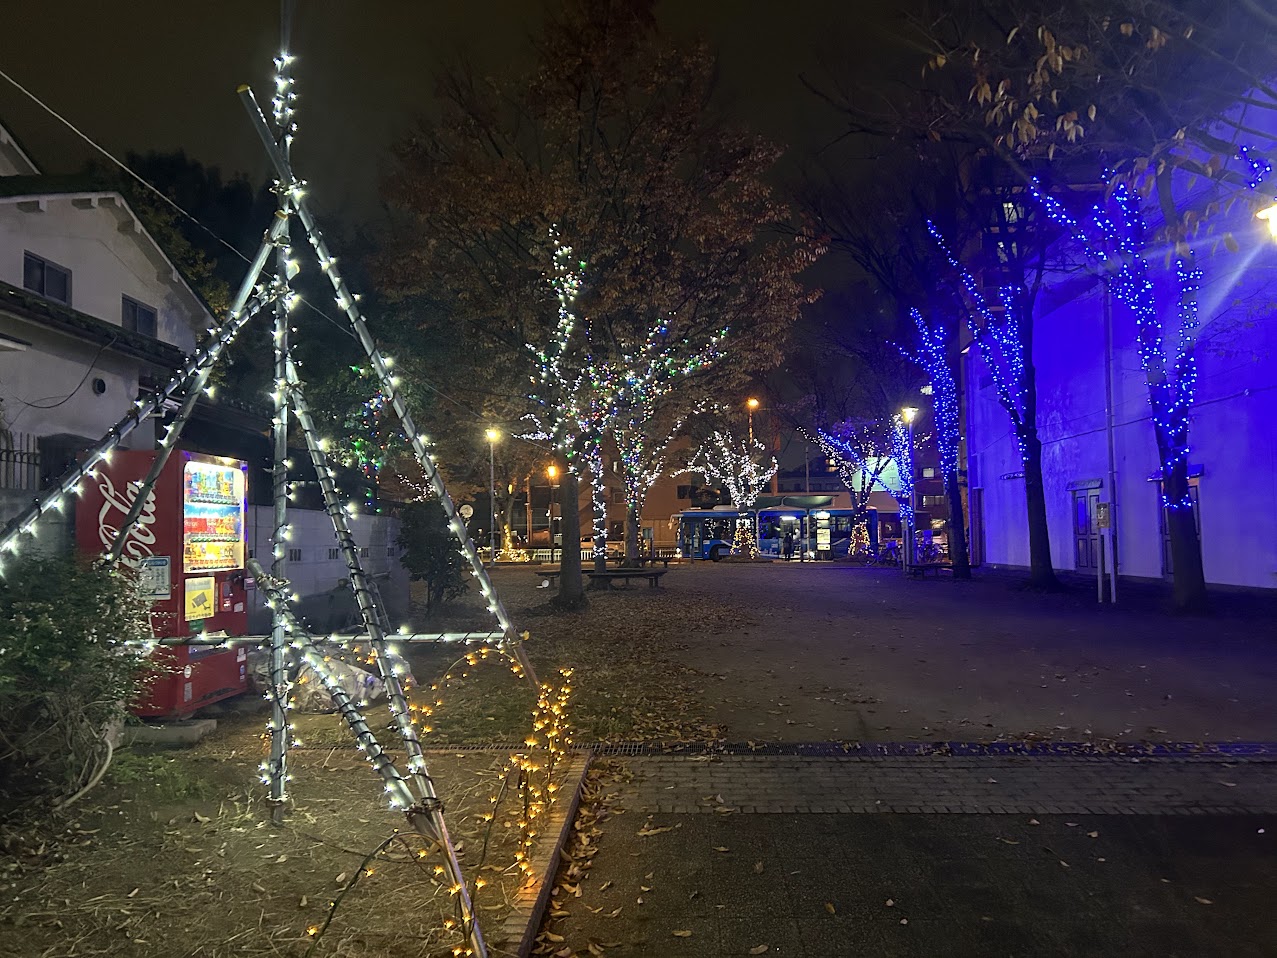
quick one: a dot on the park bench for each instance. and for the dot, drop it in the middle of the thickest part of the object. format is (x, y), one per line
(651, 575)
(922, 568)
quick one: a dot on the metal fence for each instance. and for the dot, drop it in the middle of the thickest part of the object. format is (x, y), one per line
(20, 462)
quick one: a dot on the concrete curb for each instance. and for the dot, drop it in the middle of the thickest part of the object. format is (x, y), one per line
(181, 734)
(518, 933)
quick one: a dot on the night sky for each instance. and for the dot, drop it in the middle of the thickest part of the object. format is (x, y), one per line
(151, 74)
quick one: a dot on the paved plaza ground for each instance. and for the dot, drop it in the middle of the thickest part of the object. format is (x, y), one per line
(827, 821)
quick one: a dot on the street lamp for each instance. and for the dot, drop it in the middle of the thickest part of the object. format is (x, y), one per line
(1269, 215)
(751, 404)
(493, 435)
(909, 414)
(552, 473)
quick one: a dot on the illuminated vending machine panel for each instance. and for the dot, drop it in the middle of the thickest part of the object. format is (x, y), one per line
(212, 517)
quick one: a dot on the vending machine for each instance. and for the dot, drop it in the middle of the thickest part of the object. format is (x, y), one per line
(189, 547)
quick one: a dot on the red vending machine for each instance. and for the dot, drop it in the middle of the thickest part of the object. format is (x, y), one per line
(189, 546)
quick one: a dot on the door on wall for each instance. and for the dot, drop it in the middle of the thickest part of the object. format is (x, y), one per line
(1168, 568)
(1086, 530)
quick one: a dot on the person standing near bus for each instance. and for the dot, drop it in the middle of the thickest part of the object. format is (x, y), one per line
(789, 545)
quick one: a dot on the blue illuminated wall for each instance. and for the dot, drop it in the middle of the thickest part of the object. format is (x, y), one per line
(1233, 432)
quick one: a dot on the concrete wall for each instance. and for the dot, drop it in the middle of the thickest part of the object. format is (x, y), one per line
(318, 575)
(1232, 435)
(47, 388)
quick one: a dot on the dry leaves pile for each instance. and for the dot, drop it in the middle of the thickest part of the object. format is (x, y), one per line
(597, 808)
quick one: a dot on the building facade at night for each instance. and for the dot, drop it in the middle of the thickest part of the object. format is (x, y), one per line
(1097, 435)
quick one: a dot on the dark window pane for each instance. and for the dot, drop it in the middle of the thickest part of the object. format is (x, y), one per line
(33, 274)
(57, 284)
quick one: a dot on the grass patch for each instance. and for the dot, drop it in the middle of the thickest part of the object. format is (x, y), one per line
(164, 777)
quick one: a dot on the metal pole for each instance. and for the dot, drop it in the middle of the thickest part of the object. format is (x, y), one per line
(389, 387)
(197, 386)
(1112, 455)
(554, 494)
(418, 772)
(426, 815)
(527, 509)
(279, 728)
(492, 492)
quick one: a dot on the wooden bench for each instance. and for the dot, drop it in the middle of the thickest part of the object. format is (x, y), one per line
(651, 575)
(922, 568)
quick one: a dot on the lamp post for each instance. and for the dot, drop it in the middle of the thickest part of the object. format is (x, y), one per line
(751, 404)
(909, 414)
(552, 473)
(493, 435)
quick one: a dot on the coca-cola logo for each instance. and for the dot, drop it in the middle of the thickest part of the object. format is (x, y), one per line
(141, 538)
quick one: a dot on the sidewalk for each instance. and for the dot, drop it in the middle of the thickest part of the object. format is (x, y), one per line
(988, 857)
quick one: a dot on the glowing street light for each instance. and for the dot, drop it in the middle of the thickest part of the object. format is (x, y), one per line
(552, 473)
(1269, 216)
(751, 404)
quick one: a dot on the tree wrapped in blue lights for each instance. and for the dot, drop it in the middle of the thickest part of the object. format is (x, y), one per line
(1116, 239)
(1003, 334)
(931, 354)
(860, 450)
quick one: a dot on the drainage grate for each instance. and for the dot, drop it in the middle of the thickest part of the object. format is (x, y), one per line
(1188, 750)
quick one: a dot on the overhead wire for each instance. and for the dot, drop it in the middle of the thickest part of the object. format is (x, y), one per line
(164, 197)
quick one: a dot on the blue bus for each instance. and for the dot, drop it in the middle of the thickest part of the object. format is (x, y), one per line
(816, 531)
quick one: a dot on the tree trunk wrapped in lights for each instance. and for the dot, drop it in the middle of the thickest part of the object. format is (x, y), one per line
(931, 354)
(578, 398)
(1117, 241)
(1003, 334)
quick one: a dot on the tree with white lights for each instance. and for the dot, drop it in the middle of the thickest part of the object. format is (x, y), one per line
(742, 466)
(579, 399)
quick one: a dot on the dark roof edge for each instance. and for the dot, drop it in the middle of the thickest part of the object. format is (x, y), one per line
(51, 315)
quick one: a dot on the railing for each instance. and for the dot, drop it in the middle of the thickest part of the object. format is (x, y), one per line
(20, 463)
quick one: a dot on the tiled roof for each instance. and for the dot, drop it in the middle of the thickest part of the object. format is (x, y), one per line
(45, 312)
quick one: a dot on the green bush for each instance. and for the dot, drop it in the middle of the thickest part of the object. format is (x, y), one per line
(66, 676)
(431, 553)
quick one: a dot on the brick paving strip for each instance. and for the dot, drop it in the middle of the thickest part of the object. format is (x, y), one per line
(943, 784)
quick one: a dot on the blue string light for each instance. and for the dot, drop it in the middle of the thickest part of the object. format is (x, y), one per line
(998, 341)
(932, 357)
(1119, 252)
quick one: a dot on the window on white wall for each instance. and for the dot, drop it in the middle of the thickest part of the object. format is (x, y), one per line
(137, 317)
(46, 279)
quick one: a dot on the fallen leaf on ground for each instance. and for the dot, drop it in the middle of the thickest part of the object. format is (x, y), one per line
(1202, 901)
(551, 936)
(1092, 834)
(721, 848)
(904, 921)
(682, 933)
(891, 903)
(202, 818)
(1229, 784)
(1008, 841)
(758, 868)
(758, 950)
(645, 831)
(829, 907)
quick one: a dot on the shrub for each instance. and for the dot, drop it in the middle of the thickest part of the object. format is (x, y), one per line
(66, 676)
(431, 553)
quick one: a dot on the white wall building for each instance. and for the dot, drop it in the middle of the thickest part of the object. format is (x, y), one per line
(92, 312)
(1233, 458)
